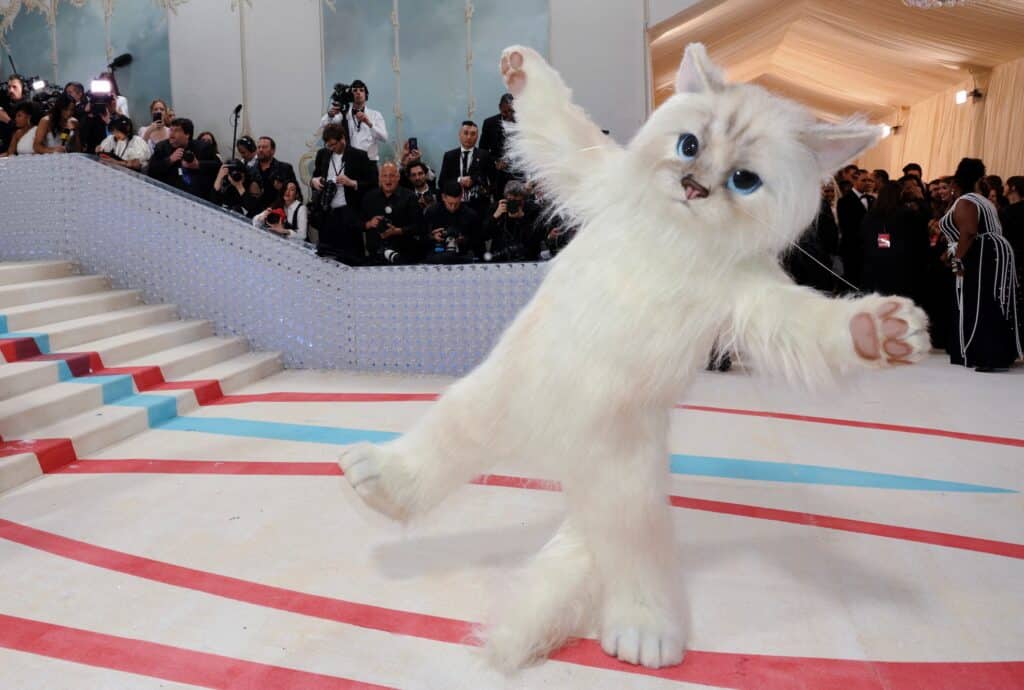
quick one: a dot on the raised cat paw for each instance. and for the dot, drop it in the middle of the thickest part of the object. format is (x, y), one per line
(378, 478)
(889, 330)
(512, 61)
(640, 638)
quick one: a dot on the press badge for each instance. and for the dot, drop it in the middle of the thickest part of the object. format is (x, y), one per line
(883, 241)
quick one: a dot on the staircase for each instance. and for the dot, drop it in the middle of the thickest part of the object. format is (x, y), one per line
(83, 366)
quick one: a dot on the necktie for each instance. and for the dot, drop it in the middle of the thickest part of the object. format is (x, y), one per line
(465, 163)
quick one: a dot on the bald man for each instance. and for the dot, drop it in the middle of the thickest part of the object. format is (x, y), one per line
(392, 221)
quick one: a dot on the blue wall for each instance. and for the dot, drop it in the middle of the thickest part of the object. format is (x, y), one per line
(359, 43)
(137, 27)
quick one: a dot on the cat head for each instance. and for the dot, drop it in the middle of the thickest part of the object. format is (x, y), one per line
(736, 163)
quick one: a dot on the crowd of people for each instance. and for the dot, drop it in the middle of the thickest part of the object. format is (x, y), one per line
(949, 244)
(363, 210)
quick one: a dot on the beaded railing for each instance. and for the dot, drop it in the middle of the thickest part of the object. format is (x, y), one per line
(276, 292)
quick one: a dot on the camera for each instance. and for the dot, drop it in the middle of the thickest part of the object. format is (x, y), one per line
(341, 97)
(414, 144)
(236, 169)
(513, 205)
(188, 157)
(330, 188)
(275, 217)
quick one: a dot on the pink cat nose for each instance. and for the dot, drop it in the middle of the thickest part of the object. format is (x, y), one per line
(694, 189)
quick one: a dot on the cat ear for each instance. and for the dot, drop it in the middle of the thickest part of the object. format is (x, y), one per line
(836, 145)
(697, 74)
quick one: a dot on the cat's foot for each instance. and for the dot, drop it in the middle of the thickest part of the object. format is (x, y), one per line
(641, 635)
(889, 330)
(379, 478)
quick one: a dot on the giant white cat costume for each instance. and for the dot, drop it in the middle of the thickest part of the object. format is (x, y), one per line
(679, 234)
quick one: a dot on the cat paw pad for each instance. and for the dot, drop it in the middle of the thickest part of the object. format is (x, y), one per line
(890, 330)
(512, 61)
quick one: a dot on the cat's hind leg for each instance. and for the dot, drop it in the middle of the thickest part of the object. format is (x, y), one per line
(549, 601)
(619, 499)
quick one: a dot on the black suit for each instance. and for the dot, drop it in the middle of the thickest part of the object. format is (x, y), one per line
(341, 232)
(481, 170)
(851, 212)
(1012, 219)
(401, 210)
(198, 182)
(277, 170)
(492, 137)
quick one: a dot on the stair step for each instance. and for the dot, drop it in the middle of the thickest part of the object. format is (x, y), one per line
(241, 371)
(29, 316)
(17, 469)
(19, 377)
(18, 294)
(98, 428)
(180, 362)
(144, 341)
(45, 406)
(68, 335)
(26, 271)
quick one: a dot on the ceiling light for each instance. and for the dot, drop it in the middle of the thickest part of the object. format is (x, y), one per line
(886, 131)
(932, 4)
(961, 97)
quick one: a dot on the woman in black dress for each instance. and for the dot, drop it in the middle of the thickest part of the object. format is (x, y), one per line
(985, 332)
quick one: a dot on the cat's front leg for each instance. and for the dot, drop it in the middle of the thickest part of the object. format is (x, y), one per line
(553, 140)
(805, 336)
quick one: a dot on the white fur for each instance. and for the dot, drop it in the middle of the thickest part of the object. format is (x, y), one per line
(587, 373)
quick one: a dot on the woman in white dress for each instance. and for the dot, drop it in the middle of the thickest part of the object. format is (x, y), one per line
(287, 217)
(57, 132)
(24, 130)
(124, 148)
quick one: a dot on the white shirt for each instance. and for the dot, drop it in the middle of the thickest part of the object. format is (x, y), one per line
(863, 200)
(464, 169)
(294, 214)
(335, 168)
(362, 136)
(25, 143)
(133, 149)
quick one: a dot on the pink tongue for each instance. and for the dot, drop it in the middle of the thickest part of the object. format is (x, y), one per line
(692, 191)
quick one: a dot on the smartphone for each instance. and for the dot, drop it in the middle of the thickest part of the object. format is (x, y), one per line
(414, 143)
(158, 116)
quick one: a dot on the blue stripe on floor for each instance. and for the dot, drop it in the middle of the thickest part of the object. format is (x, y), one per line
(276, 430)
(42, 339)
(159, 408)
(730, 468)
(760, 470)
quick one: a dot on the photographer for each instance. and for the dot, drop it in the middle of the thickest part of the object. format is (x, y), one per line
(246, 150)
(161, 117)
(57, 132)
(366, 128)
(392, 219)
(287, 218)
(470, 167)
(341, 175)
(270, 172)
(492, 140)
(230, 188)
(183, 162)
(454, 229)
(418, 177)
(122, 147)
(512, 227)
(13, 97)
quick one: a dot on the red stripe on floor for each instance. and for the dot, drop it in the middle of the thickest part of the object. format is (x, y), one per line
(326, 397)
(295, 397)
(159, 660)
(213, 467)
(740, 671)
(902, 428)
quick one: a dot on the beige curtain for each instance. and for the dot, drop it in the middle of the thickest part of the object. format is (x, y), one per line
(938, 132)
(1003, 148)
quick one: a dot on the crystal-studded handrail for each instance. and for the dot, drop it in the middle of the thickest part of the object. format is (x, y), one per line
(278, 293)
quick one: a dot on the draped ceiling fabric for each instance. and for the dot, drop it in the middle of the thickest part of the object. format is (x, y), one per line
(880, 58)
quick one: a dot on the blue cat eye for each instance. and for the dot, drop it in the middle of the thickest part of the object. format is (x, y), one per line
(744, 182)
(687, 146)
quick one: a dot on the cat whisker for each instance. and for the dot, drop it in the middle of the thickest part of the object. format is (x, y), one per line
(802, 250)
